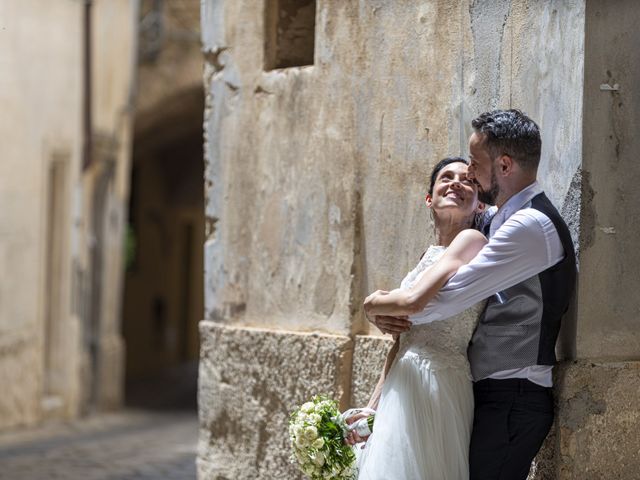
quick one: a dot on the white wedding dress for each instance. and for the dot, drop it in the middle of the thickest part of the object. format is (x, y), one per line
(424, 418)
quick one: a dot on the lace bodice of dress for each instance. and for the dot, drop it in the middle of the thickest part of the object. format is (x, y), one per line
(443, 342)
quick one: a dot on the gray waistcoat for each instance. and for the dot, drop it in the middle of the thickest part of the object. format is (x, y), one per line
(520, 324)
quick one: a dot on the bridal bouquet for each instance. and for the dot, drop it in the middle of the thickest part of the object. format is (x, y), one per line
(317, 431)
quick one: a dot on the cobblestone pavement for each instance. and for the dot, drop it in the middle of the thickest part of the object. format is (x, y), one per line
(129, 445)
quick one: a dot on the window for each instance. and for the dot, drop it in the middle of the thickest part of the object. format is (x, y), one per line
(289, 33)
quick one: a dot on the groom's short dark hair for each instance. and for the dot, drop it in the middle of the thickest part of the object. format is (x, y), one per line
(511, 132)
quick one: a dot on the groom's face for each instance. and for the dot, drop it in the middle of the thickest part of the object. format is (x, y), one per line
(481, 169)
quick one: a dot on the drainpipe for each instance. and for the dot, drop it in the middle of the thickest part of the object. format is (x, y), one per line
(87, 100)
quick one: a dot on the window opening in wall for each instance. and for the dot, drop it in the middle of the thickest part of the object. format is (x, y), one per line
(289, 33)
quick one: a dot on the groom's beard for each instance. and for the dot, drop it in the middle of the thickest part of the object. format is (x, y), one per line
(489, 196)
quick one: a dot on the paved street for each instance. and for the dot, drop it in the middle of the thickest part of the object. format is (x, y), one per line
(129, 445)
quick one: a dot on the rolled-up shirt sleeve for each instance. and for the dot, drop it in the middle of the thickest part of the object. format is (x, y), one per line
(525, 245)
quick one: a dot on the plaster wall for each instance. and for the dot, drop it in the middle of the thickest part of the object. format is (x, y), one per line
(41, 120)
(113, 108)
(340, 150)
(292, 256)
(426, 73)
(609, 306)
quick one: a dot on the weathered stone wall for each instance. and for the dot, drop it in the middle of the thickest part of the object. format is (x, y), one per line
(424, 73)
(369, 355)
(352, 137)
(597, 421)
(46, 221)
(316, 174)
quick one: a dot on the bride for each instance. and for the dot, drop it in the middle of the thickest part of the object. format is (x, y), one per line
(424, 399)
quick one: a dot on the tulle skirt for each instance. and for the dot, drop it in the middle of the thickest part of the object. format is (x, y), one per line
(423, 423)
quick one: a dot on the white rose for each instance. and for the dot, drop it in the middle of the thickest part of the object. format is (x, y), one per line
(311, 433)
(315, 418)
(309, 469)
(318, 458)
(318, 443)
(307, 407)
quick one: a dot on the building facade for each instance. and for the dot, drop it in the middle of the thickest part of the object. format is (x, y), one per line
(323, 119)
(66, 95)
(102, 218)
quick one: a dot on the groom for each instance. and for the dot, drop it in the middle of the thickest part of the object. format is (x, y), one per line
(527, 272)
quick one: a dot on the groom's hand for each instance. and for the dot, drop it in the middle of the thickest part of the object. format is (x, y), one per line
(392, 325)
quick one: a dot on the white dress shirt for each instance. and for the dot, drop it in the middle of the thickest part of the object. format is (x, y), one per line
(522, 243)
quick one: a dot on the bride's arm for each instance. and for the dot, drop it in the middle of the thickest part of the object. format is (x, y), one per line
(463, 248)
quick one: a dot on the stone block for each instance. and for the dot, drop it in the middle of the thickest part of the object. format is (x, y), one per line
(595, 435)
(249, 381)
(598, 420)
(369, 354)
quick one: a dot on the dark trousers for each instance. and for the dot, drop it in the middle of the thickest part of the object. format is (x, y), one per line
(511, 420)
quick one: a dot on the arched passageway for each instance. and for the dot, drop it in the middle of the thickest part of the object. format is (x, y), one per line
(163, 298)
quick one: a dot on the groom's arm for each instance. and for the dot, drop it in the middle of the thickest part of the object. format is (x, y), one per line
(525, 245)
(464, 247)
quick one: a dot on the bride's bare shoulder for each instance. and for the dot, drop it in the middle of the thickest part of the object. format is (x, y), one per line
(467, 244)
(470, 235)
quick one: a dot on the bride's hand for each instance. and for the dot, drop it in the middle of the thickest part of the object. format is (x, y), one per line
(352, 437)
(369, 299)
